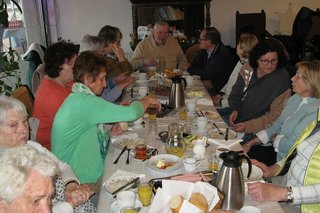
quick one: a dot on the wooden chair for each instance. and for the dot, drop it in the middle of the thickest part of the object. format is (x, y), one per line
(25, 95)
(191, 52)
(33, 124)
(254, 23)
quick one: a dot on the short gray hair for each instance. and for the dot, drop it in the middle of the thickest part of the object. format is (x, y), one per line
(92, 43)
(15, 166)
(9, 103)
(161, 23)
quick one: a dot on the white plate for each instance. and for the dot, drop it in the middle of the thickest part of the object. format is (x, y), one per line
(115, 208)
(214, 133)
(256, 172)
(152, 163)
(211, 115)
(115, 183)
(129, 139)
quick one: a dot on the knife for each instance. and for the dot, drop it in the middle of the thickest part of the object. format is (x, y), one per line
(124, 186)
(226, 135)
(122, 151)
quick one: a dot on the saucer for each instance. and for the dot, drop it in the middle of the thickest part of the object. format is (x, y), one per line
(115, 208)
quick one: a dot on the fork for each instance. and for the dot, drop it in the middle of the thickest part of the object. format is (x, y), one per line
(127, 162)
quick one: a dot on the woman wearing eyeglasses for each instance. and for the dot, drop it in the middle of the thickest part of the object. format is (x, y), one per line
(261, 90)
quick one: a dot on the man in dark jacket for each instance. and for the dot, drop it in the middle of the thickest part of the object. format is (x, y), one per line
(214, 63)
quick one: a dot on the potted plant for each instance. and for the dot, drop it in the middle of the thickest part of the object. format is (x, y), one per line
(9, 72)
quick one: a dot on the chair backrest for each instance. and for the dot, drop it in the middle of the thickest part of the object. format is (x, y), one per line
(191, 52)
(25, 95)
(33, 124)
(37, 76)
(254, 23)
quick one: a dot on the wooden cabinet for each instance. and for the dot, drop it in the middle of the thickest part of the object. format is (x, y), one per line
(186, 16)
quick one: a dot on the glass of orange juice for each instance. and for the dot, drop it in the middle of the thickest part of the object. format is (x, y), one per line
(214, 161)
(145, 193)
(128, 209)
(152, 111)
(182, 113)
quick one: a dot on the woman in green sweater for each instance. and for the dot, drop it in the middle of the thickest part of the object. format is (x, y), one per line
(79, 136)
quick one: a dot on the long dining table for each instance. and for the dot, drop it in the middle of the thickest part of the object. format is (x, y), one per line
(149, 133)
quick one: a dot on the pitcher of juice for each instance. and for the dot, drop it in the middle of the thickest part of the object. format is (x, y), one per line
(174, 140)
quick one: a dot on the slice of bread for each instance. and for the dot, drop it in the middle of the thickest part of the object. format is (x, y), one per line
(176, 203)
(200, 201)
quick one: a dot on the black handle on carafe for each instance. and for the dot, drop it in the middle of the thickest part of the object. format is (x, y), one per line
(249, 163)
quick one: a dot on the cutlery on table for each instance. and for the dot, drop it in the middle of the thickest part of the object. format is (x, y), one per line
(202, 114)
(128, 155)
(219, 131)
(226, 136)
(126, 185)
(198, 114)
(122, 151)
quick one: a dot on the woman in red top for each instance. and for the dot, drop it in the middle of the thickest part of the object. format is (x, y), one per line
(54, 88)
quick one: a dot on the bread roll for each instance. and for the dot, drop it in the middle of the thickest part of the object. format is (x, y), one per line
(199, 201)
(124, 126)
(176, 203)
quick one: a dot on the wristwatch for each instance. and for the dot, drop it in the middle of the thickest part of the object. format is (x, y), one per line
(289, 195)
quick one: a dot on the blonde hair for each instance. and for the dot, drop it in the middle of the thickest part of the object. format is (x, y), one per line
(311, 76)
(247, 42)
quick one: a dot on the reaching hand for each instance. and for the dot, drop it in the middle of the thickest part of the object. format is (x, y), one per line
(118, 51)
(233, 117)
(77, 194)
(207, 84)
(268, 171)
(149, 61)
(217, 99)
(147, 100)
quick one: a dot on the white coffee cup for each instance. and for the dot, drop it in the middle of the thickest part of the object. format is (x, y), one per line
(126, 198)
(142, 91)
(202, 123)
(191, 105)
(190, 164)
(176, 70)
(142, 75)
(249, 209)
(189, 80)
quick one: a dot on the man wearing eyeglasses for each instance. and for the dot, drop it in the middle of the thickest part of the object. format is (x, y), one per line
(214, 62)
(159, 45)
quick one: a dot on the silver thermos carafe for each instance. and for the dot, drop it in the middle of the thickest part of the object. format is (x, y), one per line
(176, 97)
(230, 180)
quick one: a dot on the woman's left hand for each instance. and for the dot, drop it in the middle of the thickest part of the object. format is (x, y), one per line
(77, 194)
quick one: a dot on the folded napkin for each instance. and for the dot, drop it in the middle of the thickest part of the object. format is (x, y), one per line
(171, 188)
(227, 144)
(205, 101)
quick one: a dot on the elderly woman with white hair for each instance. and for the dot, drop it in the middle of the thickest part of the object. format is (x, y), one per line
(31, 188)
(14, 131)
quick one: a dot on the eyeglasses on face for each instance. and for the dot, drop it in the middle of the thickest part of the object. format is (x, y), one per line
(162, 33)
(266, 61)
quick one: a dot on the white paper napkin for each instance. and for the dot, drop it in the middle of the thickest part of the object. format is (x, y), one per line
(204, 101)
(171, 188)
(224, 143)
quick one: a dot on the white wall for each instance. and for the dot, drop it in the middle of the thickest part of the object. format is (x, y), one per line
(79, 17)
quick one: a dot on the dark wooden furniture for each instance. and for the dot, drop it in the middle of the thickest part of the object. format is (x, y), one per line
(196, 14)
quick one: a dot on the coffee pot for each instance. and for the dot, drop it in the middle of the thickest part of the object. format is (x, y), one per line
(176, 97)
(230, 180)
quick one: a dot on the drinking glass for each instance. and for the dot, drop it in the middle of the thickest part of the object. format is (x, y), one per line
(182, 113)
(145, 194)
(128, 209)
(152, 111)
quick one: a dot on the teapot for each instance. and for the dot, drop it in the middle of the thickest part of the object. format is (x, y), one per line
(230, 180)
(176, 97)
(173, 139)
